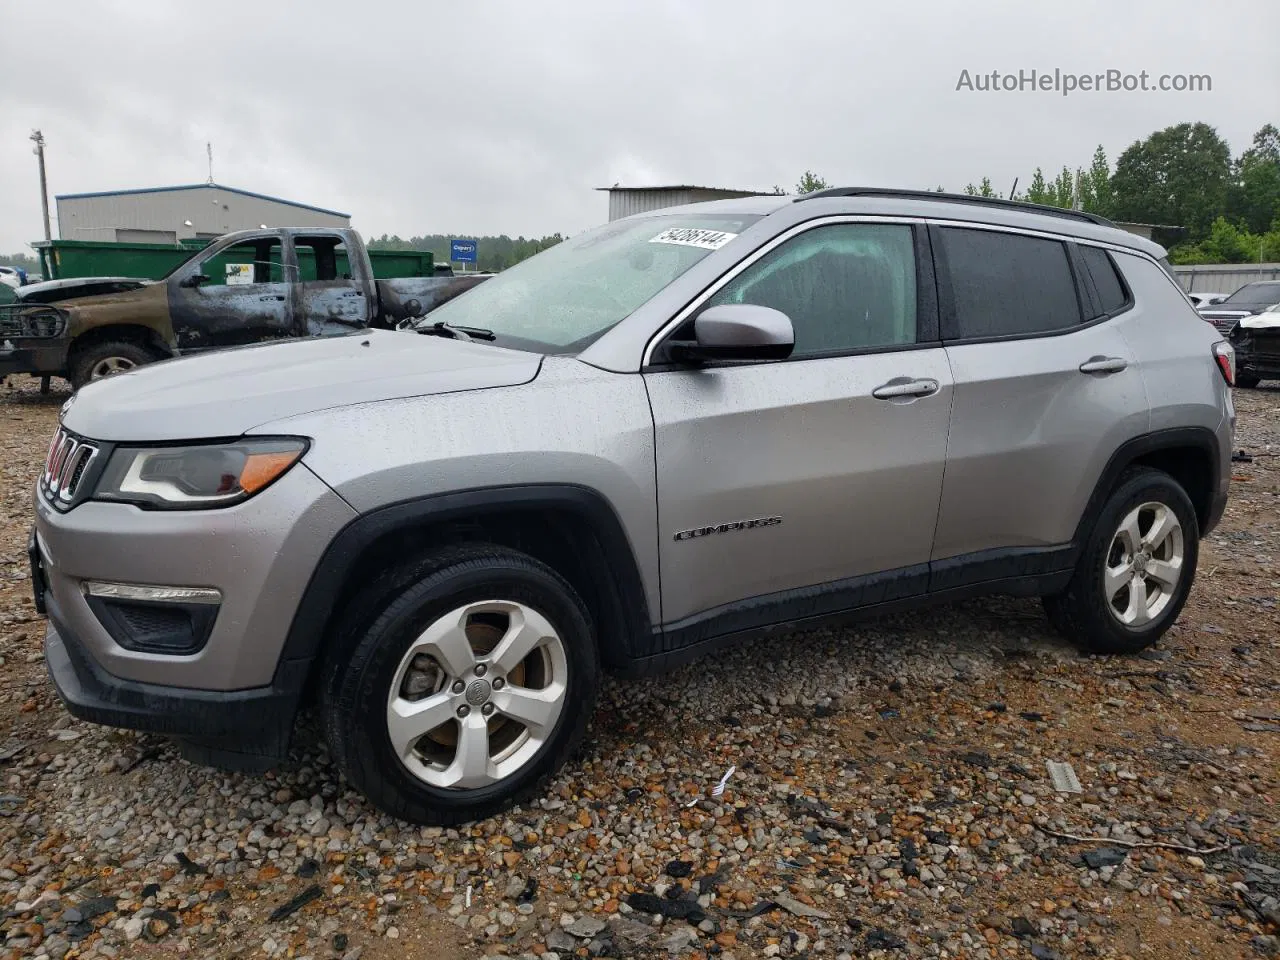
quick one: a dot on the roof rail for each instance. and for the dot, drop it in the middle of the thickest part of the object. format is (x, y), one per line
(958, 198)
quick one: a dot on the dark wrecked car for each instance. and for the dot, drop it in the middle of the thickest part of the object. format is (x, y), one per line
(1249, 300)
(246, 287)
(1256, 340)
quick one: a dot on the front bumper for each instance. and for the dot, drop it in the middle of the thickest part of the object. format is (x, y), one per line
(259, 555)
(223, 725)
(32, 356)
(32, 339)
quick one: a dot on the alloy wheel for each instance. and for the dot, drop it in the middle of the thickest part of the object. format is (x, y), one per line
(1144, 564)
(477, 694)
(110, 365)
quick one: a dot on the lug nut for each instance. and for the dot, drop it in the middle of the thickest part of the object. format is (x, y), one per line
(498, 683)
(481, 669)
(487, 709)
(463, 710)
(459, 686)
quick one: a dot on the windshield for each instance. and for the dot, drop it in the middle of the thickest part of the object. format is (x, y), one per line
(1255, 293)
(182, 263)
(560, 300)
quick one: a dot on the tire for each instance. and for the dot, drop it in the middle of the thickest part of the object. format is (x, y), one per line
(1247, 381)
(1084, 612)
(370, 669)
(103, 359)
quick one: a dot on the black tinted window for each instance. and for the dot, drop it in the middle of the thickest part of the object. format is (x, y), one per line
(1105, 279)
(1255, 293)
(1006, 284)
(845, 287)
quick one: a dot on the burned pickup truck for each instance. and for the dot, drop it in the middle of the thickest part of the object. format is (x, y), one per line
(246, 287)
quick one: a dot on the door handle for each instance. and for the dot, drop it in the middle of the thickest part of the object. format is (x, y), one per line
(1104, 365)
(905, 388)
(271, 297)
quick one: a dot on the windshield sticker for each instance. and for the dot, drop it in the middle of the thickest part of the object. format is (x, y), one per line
(694, 237)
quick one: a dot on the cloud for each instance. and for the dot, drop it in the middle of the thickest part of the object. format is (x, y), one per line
(502, 117)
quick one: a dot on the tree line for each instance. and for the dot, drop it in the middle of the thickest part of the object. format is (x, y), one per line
(492, 253)
(1227, 208)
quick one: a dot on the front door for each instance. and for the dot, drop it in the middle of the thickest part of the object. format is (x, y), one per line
(244, 296)
(821, 471)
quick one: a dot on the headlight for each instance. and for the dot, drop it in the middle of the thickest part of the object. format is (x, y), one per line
(197, 476)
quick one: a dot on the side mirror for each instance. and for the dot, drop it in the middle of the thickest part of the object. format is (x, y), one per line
(737, 331)
(194, 280)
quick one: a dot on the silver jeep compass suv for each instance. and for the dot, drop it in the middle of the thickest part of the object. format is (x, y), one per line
(660, 435)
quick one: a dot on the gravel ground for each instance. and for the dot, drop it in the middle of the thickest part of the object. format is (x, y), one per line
(890, 799)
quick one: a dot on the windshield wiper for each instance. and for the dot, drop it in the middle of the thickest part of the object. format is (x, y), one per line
(442, 329)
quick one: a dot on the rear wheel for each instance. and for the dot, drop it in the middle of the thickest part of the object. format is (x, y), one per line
(463, 682)
(1136, 569)
(106, 359)
(1247, 380)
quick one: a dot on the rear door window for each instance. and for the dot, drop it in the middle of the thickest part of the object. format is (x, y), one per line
(1008, 285)
(1106, 281)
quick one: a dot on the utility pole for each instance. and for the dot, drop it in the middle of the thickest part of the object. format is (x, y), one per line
(38, 138)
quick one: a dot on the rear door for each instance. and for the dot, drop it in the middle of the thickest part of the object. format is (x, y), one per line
(1046, 388)
(244, 296)
(819, 471)
(332, 296)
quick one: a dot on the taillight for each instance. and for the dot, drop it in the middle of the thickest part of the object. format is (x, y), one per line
(1225, 356)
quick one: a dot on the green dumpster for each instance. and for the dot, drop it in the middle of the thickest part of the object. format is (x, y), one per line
(63, 259)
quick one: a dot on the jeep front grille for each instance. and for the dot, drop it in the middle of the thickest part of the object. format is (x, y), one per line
(65, 468)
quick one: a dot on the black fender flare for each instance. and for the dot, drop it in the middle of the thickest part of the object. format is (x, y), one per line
(1200, 438)
(308, 631)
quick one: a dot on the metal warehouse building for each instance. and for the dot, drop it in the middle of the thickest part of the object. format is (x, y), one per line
(624, 201)
(170, 214)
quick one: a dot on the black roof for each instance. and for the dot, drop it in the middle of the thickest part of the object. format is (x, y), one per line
(958, 198)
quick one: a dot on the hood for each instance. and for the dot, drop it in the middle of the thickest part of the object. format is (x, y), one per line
(226, 392)
(51, 291)
(1239, 309)
(143, 293)
(1267, 320)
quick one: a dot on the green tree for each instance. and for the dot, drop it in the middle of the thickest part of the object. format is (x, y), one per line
(810, 182)
(1256, 192)
(1177, 176)
(1038, 191)
(983, 189)
(1064, 189)
(1095, 185)
(1229, 242)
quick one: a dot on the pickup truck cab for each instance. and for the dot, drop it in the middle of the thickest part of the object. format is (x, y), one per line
(246, 287)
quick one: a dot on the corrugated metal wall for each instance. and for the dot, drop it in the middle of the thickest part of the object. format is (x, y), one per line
(624, 203)
(211, 210)
(1224, 277)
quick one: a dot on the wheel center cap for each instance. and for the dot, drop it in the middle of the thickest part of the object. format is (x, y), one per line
(478, 692)
(1140, 563)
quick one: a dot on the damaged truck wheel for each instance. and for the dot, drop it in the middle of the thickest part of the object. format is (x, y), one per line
(108, 358)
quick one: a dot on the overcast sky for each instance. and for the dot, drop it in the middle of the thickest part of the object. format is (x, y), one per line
(501, 117)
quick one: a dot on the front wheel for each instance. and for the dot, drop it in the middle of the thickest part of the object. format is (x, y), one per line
(106, 359)
(1136, 570)
(463, 684)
